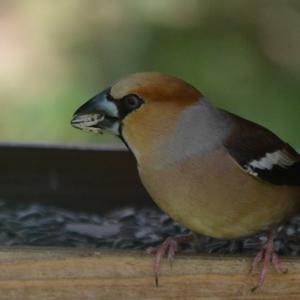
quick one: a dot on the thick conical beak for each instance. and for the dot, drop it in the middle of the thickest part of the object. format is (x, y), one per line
(97, 114)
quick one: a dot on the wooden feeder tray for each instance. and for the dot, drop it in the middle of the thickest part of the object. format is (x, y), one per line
(78, 178)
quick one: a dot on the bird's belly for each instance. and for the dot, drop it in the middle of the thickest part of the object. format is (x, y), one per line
(218, 200)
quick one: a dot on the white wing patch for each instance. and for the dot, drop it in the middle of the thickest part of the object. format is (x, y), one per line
(279, 158)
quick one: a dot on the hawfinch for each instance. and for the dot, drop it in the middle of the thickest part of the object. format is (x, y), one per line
(211, 171)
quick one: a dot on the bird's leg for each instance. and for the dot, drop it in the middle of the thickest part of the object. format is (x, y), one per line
(268, 256)
(169, 247)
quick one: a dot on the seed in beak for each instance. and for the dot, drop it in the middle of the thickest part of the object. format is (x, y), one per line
(83, 121)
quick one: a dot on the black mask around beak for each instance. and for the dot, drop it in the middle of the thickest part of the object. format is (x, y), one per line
(98, 114)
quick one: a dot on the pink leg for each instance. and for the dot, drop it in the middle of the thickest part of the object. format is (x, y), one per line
(169, 247)
(268, 256)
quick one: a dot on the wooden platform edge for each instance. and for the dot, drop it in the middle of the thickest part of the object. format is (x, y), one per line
(54, 273)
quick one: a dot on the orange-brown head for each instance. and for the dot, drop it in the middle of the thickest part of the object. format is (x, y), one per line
(141, 108)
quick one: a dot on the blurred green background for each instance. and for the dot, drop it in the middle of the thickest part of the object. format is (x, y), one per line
(54, 55)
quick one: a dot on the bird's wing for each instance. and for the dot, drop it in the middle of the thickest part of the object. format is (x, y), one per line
(262, 154)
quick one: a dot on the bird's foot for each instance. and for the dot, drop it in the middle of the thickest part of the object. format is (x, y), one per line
(267, 256)
(168, 248)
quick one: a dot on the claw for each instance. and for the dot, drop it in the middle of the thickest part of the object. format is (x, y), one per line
(258, 258)
(268, 256)
(168, 248)
(173, 247)
(277, 265)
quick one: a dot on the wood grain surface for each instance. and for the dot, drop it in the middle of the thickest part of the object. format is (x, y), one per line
(52, 273)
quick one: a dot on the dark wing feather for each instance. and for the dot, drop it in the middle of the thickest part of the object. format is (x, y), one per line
(262, 154)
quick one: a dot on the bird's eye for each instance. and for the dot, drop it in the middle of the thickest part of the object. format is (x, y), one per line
(132, 102)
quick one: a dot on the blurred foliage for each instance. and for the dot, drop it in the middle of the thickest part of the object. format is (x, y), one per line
(244, 55)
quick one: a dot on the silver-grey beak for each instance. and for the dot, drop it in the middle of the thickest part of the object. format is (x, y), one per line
(97, 114)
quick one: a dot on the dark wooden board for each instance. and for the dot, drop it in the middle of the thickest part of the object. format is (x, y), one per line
(74, 177)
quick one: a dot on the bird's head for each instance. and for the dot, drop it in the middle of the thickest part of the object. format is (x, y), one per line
(141, 109)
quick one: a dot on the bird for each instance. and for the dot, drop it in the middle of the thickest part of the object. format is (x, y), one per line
(210, 170)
